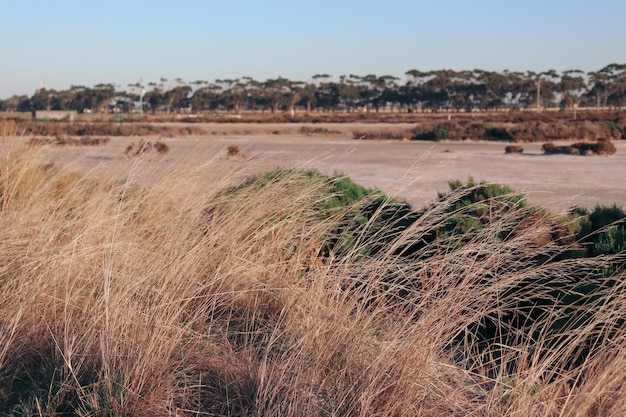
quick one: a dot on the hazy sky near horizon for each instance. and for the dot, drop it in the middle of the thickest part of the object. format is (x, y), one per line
(67, 42)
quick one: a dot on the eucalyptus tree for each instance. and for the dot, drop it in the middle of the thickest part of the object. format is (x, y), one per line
(279, 93)
(495, 89)
(81, 98)
(608, 85)
(544, 80)
(368, 90)
(414, 88)
(305, 95)
(386, 87)
(328, 96)
(438, 89)
(43, 99)
(321, 78)
(348, 89)
(418, 77)
(177, 97)
(133, 98)
(252, 90)
(19, 103)
(256, 96)
(233, 93)
(571, 87)
(66, 99)
(206, 97)
(155, 96)
(463, 90)
(523, 90)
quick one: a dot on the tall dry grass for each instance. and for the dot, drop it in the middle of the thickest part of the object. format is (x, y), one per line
(123, 300)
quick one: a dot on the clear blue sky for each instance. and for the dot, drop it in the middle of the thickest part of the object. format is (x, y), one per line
(85, 42)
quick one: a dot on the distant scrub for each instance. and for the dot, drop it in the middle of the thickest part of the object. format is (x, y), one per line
(233, 150)
(381, 134)
(601, 147)
(309, 131)
(109, 128)
(513, 149)
(69, 141)
(146, 147)
(521, 131)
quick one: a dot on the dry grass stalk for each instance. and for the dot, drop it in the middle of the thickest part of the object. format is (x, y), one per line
(129, 301)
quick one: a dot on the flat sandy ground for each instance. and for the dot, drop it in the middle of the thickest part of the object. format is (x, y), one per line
(413, 171)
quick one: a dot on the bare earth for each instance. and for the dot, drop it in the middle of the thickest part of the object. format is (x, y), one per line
(413, 171)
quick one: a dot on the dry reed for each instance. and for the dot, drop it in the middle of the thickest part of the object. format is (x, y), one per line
(123, 300)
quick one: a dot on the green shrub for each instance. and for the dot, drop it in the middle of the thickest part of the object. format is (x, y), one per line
(469, 224)
(605, 230)
(437, 134)
(498, 133)
(476, 205)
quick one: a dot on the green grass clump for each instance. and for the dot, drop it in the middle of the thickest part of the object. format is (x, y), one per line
(605, 230)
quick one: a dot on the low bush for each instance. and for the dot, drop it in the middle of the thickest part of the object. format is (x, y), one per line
(513, 149)
(604, 230)
(551, 149)
(499, 133)
(233, 150)
(437, 134)
(161, 148)
(601, 147)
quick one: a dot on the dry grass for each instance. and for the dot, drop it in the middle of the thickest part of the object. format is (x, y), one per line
(145, 147)
(121, 300)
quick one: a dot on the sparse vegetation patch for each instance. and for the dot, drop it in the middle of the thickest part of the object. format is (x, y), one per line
(70, 141)
(147, 147)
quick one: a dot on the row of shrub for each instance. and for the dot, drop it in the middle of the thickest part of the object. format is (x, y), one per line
(69, 141)
(601, 147)
(524, 131)
(61, 128)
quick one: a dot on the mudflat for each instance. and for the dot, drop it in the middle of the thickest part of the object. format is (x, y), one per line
(410, 170)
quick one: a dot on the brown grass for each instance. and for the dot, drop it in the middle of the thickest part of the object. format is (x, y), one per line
(175, 300)
(233, 150)
(146, 147)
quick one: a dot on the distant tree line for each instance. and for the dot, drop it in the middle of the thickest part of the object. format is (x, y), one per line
(440, 90)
